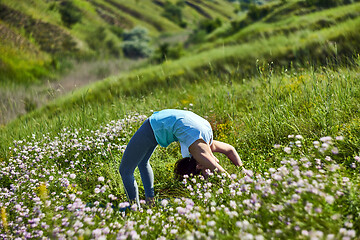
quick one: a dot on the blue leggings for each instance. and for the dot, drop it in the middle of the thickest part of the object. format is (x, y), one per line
(137, 154)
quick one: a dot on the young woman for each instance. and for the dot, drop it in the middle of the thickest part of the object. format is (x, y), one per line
(193, 133)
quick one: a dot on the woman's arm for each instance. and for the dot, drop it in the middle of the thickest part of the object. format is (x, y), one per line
(228, 150)
(201, 151)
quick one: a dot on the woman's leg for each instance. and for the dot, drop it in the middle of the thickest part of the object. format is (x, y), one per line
(138, 150)
(147, 175)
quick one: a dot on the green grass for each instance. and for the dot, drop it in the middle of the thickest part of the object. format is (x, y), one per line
(309, 90)
(337, 44)
(287, 24)
(258, 112)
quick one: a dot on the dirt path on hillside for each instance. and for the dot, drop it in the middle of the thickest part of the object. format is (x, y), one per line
(18, 100)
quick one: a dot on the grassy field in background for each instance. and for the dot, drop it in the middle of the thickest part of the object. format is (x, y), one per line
(257, 111)
(336, 45)
(282, 21)
(284, 91)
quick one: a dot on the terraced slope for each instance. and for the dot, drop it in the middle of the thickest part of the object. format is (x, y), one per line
(96, 32)
(282, 19)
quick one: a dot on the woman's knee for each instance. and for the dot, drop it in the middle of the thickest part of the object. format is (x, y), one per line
(125, 171)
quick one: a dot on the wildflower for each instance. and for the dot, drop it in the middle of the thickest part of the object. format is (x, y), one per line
(232, 204)
(134, 207)
(72, 176)
(277, 146)
(305, 232)
(308, 207)
(43, 192)
(259, 237)
(4, 219)
(329, 199)
(330, 237)
(287, 150)
(335, 150)
(207, 195)
(247, 236)
(248, 172)
(164, 202)
(339, 138)
(211, 233)
(326, 139)
(211, 223)
(299, 137)
(101, 179)
(173, 231)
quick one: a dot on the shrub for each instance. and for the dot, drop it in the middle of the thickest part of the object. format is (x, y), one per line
(203, 28)
(326, 3)
(209, 25)
(197, 36)
(173, 12)
(136, 34)
(70, 14)
(136, 43)
(255, 12)
(165, 51)
(98, 42)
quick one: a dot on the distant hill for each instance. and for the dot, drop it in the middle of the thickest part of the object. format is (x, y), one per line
(288, 34)
(37, 35)
(277, 35)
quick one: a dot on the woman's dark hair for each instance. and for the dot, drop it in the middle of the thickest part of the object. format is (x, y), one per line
(186, 166)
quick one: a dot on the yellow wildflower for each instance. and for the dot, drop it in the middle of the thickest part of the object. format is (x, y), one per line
(4, 218)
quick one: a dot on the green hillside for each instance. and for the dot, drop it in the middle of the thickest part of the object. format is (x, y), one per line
(280, 19)
(48, 31)
(334, 44)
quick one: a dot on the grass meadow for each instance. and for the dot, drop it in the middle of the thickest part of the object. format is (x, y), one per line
(297, 132)
(283, 89)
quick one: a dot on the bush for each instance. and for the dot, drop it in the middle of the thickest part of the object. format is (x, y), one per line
(197, 36)
(203, 28)
(165, 51)
(326, 3)
(97, 41)
(136, 34)
(70, 14)
(173, 12)
(255, 12)
(136, 43)
(209, 25)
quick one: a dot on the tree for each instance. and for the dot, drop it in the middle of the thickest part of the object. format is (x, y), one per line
(70, 14)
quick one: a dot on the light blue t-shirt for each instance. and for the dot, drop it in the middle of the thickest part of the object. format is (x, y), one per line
(186, 127)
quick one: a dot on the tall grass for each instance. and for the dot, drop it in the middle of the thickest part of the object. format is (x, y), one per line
(257, 113)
